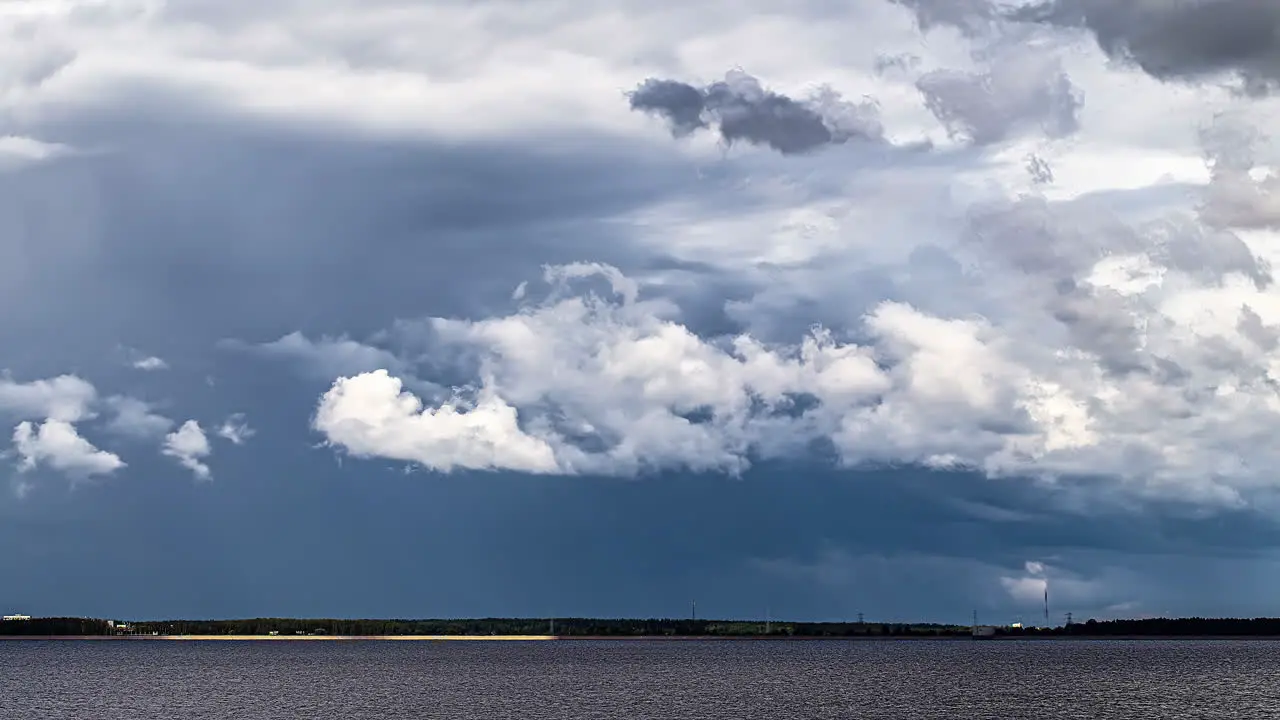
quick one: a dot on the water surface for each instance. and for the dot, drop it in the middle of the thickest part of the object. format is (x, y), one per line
(640, 679)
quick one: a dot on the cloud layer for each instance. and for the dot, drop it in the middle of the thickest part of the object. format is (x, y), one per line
(1026, 300)
(1177, 39)
(741, 109)
(1088, 381)
(52, 411)
(943, 286)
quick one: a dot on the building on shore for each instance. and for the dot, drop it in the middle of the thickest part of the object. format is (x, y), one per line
(15, 618)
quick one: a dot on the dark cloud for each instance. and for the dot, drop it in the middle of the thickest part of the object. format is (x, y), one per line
(681, 104)
(1178, 39)
(1235, 198)
(1209, 254)
(1018, 93)
(900, 62)
(1020, 89)
(1039, 169)
(186, 233)
(1250, 324)
(968, 16)
(1185, 40)
(1098, 320)
(742, 110)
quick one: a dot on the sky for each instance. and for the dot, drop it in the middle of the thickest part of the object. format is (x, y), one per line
(907, 308)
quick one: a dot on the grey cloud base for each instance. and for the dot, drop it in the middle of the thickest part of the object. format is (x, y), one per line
(1178, 39)
(741, 109)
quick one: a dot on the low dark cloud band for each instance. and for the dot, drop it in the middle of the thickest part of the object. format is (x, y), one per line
(741, 109)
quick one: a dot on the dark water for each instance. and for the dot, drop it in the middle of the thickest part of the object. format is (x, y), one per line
(633, 680)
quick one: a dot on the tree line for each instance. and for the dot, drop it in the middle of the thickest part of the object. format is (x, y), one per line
(55, 626)
(594, 627)
(563, 627)
(1172, 627)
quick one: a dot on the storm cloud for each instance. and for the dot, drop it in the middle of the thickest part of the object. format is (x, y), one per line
(741, 109)
(1179, 39)
(318, 218)
(968, 16)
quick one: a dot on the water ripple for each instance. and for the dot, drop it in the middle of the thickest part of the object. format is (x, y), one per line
(639, 680)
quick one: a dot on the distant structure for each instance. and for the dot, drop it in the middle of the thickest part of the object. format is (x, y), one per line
(14, 618)
(981, 632)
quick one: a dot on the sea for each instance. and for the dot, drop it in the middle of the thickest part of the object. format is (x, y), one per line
(637, 679)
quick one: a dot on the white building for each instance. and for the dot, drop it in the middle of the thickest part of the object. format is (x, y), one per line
(16, 617)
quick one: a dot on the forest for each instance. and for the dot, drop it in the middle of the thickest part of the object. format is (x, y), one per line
(562, 627)
(593, 627)
(55, 626)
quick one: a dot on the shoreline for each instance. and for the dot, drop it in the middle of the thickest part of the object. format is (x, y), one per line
(599, 638)
(288, 638)
(492, 638)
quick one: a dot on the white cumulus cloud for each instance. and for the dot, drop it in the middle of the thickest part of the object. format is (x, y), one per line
(57, 444)
(66, 397)
(1071, 386)
(150, 363)
(370, 415)
(235, 429)
(189, 446)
